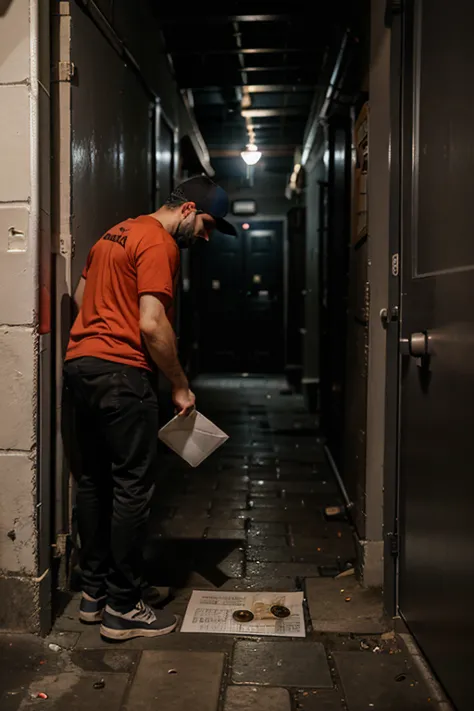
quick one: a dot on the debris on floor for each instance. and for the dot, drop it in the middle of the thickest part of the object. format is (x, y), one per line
(335, 512)
(346, 573)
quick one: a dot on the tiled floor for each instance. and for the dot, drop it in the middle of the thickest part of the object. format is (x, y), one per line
(251, 517)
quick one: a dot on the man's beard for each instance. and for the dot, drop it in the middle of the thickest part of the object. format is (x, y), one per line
(185, 233)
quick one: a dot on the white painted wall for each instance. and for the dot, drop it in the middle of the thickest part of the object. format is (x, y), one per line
(23, 98)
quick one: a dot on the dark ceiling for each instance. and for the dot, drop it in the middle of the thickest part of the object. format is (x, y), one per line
(255, 70)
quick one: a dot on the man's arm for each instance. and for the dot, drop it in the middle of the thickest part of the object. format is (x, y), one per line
(79, 293)
(160, 341)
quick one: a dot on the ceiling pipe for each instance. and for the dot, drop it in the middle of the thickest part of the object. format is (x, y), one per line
(317, 118)
(196, 136)
(318, 114)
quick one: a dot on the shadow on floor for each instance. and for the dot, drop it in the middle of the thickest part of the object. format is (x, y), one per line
(175, 563)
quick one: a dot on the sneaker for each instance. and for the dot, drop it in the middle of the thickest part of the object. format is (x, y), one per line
(91, 609)
(156, 596)
(141, 621)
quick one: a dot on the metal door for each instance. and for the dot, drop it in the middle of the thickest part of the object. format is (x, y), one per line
(263, 337)
(241, 300)
(436, 583)
(219, 270)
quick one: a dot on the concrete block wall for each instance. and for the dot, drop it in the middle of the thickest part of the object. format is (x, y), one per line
(20, 209)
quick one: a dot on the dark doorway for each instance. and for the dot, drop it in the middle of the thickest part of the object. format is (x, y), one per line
(241, 300)
(437, 340)
(334, 241)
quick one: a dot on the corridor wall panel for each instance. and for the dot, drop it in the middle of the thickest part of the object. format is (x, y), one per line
(112, 135)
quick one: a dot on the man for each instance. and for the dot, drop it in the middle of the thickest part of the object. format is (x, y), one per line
(123, 330)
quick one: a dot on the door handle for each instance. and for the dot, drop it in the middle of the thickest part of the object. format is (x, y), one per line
(417, 345)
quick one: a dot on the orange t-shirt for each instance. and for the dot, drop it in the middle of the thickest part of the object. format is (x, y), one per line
(136, 257)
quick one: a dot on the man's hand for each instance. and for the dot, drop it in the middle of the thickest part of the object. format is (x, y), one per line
(185, 401)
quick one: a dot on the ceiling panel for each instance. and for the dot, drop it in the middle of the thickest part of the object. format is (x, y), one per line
(254, 67)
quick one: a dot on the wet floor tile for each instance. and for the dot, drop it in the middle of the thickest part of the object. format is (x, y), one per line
(317, 527)
(68, 619)
(76, 691)
(343, 545)
(233, 500)
(303, 570)
(117, 660)
(292, 515)
(225, 534)
(177, 681)
(317, 700)
(256, 698)
(262, 539)
(24, 659)
(183, 529)
(344, 606)
(234, 480)
(382, 682)
(257, 474)
(281, 663)
(307, 487)
(223, 508)
(233, 564)
(263, 584)
(267, 528)
(266, 485)
(236, 523)
(261, 554)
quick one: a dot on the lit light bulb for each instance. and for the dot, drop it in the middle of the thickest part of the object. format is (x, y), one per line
(252, 155)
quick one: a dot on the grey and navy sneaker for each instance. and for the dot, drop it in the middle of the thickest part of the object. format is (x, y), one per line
(141, 621)
(91, 609)
(156, 596)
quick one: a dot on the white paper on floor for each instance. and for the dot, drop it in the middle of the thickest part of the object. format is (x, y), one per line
(212, 611)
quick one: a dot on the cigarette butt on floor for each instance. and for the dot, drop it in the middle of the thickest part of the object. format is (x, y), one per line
(346, 573)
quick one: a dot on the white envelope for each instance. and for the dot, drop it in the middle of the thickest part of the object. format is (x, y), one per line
(193, 437)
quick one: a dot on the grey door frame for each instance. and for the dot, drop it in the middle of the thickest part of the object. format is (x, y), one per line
(393, 367)
(160, 115)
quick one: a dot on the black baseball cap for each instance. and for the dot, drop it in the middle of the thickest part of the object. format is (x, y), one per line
(209, 198)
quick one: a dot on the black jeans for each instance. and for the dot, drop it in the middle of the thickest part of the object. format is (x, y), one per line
(116, 426)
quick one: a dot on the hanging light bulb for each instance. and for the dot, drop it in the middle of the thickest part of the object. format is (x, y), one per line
(252, 155)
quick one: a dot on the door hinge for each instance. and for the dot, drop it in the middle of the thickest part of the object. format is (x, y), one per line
(392, 8)
(64, 71)
(394, 542)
